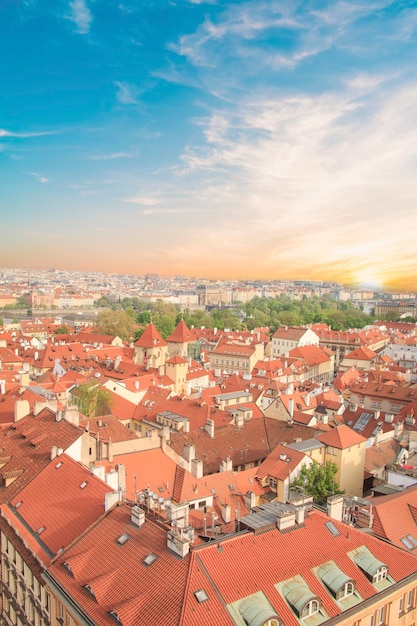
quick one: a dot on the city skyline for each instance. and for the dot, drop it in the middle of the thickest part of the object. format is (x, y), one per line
(220, 139)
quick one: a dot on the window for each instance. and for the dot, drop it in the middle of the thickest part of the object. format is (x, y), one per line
(407, 602)
(347, 590)
(311, 608)
(379, 618)
(381, 574)
(273, 483)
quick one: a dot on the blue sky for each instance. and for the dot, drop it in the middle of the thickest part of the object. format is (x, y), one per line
(225, 139)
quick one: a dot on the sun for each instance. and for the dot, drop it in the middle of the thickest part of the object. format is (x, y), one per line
(368, 278)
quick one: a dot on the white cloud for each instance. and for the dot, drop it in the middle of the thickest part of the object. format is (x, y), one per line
(126, 94)
(114, 155)
(147, 201)
(39, 177)
(317, 178)
(10, 133)
(80, 15)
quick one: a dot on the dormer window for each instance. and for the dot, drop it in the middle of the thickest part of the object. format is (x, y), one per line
(374, 570)
(336, 581)
(380, 574)
(311, 608)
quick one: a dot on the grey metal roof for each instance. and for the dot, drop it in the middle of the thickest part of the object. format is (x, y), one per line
(306, 445)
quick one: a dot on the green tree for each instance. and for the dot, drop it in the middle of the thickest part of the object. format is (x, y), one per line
(62, 330)
(317, 481)
(117, 323)
(92, 400)
(103, 301)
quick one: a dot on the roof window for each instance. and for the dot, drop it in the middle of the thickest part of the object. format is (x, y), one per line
(340, 585)
(84, 484)
(258, 612)
(409, 541)
(201, 595)
(123, 539)
(333, 530)
(374, 570)
(150, 559)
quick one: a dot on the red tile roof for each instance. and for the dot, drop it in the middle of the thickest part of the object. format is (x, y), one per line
(150, 338)
(181, 334)
(54, 508)
(117, 576)
(248, 563)
(341, 437)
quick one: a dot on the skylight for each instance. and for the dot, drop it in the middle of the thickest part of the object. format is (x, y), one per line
(123, 539)
(333, 530)
(151, 558)
(84, 484)
(410, 542)
(201, 595)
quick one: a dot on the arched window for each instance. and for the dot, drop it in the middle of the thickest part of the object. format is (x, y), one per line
(311, 608)
(347, 590)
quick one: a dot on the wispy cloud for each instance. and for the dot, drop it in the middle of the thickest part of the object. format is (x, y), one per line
(25, 135)
(39, 177)
(126, 94)
(184, 210)
(80, 15)
(114, 155)
(312, 173)
(145, 200)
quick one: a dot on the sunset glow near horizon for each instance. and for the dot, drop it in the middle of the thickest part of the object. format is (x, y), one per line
(221, 139)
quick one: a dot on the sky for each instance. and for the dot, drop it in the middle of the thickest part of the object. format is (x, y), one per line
(224, 139)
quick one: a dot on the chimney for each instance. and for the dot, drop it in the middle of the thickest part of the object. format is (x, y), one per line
(335, 507)
(21, 409)
(226, 514)
(291, 407)
(250, 500)
(189, 452)
(117, 362)
(178, 542)
(137, 516)
(299, 515)
(197, 468)
(54, 450)
(210, 427)
(2, 387)
(285, 520)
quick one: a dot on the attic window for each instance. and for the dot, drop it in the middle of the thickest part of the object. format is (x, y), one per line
(231, 487)
(115, 616)
(150, 559)
(409, 542)
(333, 530)
(90, 590)
(201, 595)
(123, 539)
(84, 484)
(67, 566)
